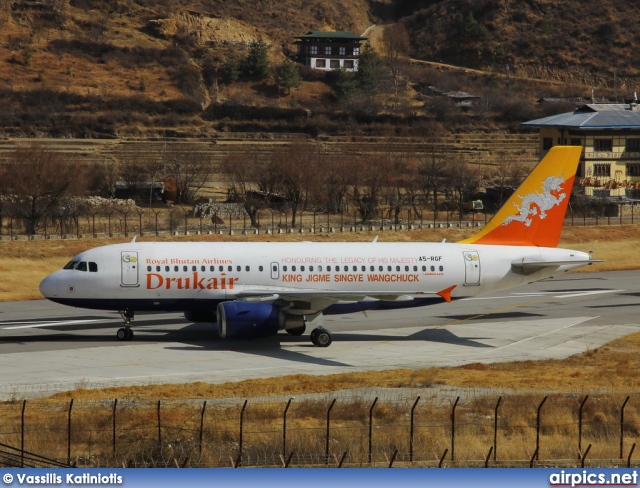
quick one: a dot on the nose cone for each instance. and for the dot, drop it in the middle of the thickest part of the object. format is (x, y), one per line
(49, 286)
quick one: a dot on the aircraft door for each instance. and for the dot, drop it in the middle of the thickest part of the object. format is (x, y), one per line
(471, 267)
(129, 270)
(275, 271)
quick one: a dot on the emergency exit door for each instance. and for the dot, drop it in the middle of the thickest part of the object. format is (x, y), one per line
(471, 267)
(129, 268)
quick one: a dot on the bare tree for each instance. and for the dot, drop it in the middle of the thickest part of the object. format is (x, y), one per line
(298, 167)
(329, 194)
(368, 178)
(190, 170)
(463, 179)
(241, 172)
(403, 186)
(432, 177)
(504, 174)
(396, 43)
(35, 180)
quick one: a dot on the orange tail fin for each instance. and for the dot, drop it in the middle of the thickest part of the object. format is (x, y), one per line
(534, 214)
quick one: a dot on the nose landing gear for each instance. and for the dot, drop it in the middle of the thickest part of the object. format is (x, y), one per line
(125, 333)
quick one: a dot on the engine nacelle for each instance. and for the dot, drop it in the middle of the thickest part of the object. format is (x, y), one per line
(200, 315)
(246, 320)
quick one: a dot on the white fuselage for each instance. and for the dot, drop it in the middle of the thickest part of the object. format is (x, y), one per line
(181, 276)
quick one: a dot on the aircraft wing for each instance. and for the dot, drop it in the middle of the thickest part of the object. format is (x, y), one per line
(319, 299)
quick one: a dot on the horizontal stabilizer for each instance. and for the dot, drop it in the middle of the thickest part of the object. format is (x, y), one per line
(529, 266)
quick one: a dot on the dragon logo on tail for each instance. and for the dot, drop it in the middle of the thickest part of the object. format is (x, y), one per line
(539, 203)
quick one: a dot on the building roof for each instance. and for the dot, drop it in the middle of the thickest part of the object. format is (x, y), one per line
(593, 117)
(314, 34)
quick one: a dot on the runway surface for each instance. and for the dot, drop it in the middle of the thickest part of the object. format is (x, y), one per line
(45, 347)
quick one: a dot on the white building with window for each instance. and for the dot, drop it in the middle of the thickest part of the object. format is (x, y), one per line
(329, 51)
(610, 136)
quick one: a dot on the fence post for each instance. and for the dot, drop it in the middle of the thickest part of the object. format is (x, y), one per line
(204, 408)
(633, 448)
(69, 433)
(393, 458)
(326, 447)
(113, 416)
(159, 427)
(495, 429)
(24, 406)
(171, 221)
(580, 424)
(284, 428)
(444, 454)
(624, 404)
(453, 428)
(486, 460)
(538, 429)
(239, 463)
(582, 458)
(411, 430)
(371, 429)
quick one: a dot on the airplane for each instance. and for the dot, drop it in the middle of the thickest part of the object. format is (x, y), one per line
(253, 290)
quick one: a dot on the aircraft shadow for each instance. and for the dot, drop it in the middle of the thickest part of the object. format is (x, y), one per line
(492, 316)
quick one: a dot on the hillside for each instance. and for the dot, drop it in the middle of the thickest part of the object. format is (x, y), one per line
(576, 41)
(114, 68)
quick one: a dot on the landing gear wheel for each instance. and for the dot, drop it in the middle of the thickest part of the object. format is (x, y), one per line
(321, 337)
(297, 331)
(124, 334)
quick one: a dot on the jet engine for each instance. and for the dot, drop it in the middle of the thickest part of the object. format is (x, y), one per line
(243, 320)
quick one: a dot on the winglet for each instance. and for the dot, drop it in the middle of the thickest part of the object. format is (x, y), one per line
(446, 293)
(534, 214)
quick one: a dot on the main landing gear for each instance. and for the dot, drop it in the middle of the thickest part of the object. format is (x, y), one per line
(321, 337)
(125, 333)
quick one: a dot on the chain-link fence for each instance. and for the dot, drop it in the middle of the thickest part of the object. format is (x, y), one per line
(514, 430)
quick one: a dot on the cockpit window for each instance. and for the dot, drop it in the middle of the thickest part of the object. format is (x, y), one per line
(93, 267)
(71, 265)
(82, 266)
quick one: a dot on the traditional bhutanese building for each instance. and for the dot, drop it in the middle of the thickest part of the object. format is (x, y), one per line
(610, 137)
(329, 50)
